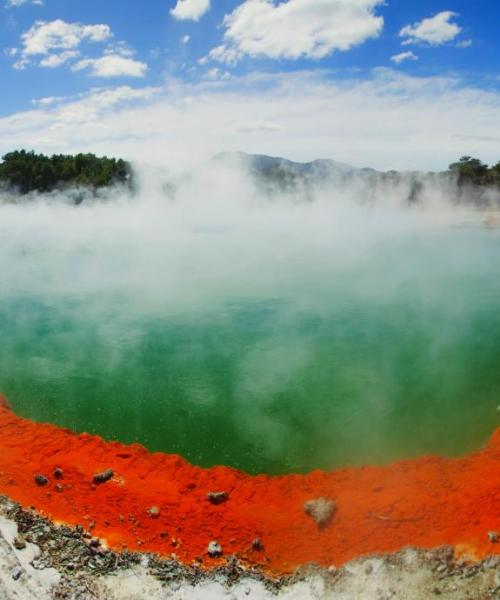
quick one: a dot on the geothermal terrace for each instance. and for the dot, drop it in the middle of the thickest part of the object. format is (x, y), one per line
(133, 500)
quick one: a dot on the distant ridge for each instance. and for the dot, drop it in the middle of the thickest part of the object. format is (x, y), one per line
(466, 182)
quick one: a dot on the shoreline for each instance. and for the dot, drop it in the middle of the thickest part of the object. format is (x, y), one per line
(41, 561)
(135, 501)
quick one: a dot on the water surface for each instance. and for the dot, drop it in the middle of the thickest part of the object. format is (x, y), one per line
(272, 352)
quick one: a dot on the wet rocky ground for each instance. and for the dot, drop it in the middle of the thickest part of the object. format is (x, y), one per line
(42, 561)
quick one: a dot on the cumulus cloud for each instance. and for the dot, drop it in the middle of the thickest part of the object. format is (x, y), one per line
(51, 44)
(389, 120)
(112, 65)
(46, 36)
(54, 43)
(190, 9)
(433, 31)
(403, 56)
(297, 28)
(56, 60)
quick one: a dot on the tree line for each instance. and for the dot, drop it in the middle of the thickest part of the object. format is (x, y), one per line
(472, 171)
(27, 171)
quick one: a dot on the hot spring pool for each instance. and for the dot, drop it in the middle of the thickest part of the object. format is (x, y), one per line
(267, 350)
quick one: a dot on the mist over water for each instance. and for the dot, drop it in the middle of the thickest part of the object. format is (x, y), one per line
(274, 336)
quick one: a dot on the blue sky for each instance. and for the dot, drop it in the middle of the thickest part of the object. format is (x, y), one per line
(160, 53)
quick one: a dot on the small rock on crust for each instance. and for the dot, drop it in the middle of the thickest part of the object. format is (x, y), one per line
(103, 476)
(214, 549)
(217, 497)
(154, 512)
(19, 543)
(494, 537)
(41, 480)
(320, 510)
(257, 544)
(58, 473)
(16, 573)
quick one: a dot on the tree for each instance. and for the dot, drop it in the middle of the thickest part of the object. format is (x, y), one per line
(471, 170)
(28, 171)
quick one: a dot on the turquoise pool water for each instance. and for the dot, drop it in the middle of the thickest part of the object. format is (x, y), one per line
(275, 354)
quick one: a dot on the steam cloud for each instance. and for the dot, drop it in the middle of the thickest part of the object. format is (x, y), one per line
(211, 249)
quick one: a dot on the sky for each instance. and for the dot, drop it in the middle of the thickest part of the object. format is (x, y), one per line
(387, 84)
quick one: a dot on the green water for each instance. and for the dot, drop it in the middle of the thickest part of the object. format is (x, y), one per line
(392, 353)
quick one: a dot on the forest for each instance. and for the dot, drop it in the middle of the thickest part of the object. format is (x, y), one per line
(27, 171)
(472, 171)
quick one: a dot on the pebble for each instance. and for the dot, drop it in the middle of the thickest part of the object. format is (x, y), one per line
(494, 537)
(154, 512)
(19, 543)
(320, 510)
(217, 497)
(41, 480)
(58, 473)
(104, 476)
(257, 544)
(16, 573)
(214, 549)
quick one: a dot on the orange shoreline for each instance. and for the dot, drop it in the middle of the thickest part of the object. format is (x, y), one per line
(426, 503)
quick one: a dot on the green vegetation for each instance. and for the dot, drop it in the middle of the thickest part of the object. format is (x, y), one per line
(27, 171)
(474, 172)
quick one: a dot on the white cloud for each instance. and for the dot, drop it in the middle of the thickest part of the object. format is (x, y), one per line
(21, 64)
(46, 36)
(434, 31)
(56, 60)
(54, 43)
(403, 56)
(297, 28)
(112, 65)
(387, 121)
(217, 74)
(13, 3)
(121, 48)
(186, 39)
(464, 44)
(190, 9)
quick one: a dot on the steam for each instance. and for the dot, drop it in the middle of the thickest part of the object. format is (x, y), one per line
(238, 291)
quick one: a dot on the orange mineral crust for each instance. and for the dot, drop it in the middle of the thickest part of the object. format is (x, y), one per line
(159, 503)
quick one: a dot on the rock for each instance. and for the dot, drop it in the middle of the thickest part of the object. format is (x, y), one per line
(214, 549)
(217, 497)
(154, 512)
(103, 477)
(257, 544)
(58, 473)
(19, 543)
(59, 488)
(16, 573)
(494, 537)
(320, 510)
(41, 480)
